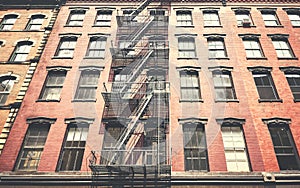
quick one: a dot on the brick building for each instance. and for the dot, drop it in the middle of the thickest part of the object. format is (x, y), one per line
(162, 93)
(23, 34)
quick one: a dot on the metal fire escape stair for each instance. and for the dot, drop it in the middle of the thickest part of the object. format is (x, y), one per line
(125, 137)
(139, 9)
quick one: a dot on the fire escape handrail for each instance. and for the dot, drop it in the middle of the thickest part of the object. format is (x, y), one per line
(131, 125)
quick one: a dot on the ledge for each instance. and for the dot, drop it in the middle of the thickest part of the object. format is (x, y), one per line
(256, 58)
(46, 100)
(191, 100)
(219, 58)
(227, 100)
(73, 25)
(287, 58)
(274, 26)
(187, 58)
(270, 100)
(58, 57)
(185, 26)
(101, 26)
(209, 26)
(86, 57)
(84, 100)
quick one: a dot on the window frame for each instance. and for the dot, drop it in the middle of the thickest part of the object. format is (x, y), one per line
(184, 18)
(79, 149)
(260, 72)
(232, 123)
(213, 22)
(184, 47)
(224, 88)
(293, 72)
(78, 22)
(241, 15)
(25, 147)
(192, 130)
(282, 49)
(275, 18)
(23, 53)
(216, 48)
(253, 49)
(6, 92)
(48, 86)
(31, 23)
(190, 76)
(60, 48)
(282, 124)
(4, 23)
(105, 20)
(100, 39)
(88, 87)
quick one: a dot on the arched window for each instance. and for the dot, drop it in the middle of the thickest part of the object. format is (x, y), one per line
(6, 85)
(35, 22)
(8, 22)
(21, 51)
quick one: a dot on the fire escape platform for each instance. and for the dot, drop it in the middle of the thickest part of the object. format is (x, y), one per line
(135, 170)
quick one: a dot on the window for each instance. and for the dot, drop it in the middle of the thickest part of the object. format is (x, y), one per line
(21, 51)
(111, 136)
(265, 86)
(253, 48)
(284, 146)
(159, 17)
(235, 148)
(189, 85)
(66, 47)
(211, 18)
(88, 84)
(283, 48)
(76, 18)
(53, 85)
(35, 22)
(243, 18)
(6, 85)
(103, 18)
(33, 146)
(223, 85)
(294, 18)
(294, 83)
(216, 48)
(8, 22)
(270, 18)
(195, 151)
(73, 147)
(186, 47)
(184, 18)
(96, 47)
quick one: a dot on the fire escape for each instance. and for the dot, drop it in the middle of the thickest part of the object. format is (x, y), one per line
(135, 149)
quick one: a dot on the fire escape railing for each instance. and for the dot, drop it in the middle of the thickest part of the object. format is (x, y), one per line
(135, 88)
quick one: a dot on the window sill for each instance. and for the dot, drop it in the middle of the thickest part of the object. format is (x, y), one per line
(187, 58)
(253, 26)
(59, 57)
(191, 100)
(274, 26)
(84, 100)
(296, 100)
(209, 26)
(287, 58)
(294, 26)
(93, 57)
(256, 58)
(101, 26)
(183, 26)
(218, 58)
(270, 100)
(48, 100)
(227, 100)
(16, 62)
(73, 25)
